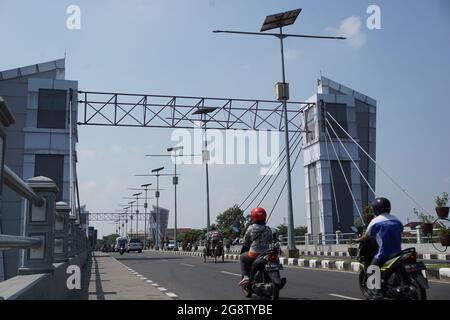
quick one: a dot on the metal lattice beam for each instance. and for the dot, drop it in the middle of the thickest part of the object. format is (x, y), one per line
(106, 216)
(159, 111)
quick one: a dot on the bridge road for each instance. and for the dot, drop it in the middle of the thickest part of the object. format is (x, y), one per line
(191, 279)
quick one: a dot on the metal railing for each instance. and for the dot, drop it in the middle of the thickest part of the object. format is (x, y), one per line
(15, 183)
(413, 236)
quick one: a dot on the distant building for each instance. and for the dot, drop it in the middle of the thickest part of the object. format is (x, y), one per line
(356, 113)
(180, 231)
(42, 140)
(158, 224)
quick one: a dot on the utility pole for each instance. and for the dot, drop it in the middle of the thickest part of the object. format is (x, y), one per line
(278, 21)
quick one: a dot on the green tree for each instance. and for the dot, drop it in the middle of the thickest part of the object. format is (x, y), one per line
(190, 236)
(301, 231)
(298, 231)
(232, 217)
(282, 230)
(110, 239)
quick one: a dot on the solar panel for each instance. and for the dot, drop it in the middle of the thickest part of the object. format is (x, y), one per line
(280, 20)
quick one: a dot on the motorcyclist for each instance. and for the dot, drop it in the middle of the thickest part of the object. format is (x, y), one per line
(387, 230)
(257, 240)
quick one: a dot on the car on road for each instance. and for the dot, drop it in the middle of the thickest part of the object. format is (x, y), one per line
(135, 245)
(171, 246)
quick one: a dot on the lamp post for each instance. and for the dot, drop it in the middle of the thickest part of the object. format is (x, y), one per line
(137, 212)
(131, 216)
(158, 236)
(145, 186)
(203, 112)
(278, 21)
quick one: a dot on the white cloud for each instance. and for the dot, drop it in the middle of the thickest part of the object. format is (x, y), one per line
(117, 148)
(351, 29)
(86, 154)
(291, 54)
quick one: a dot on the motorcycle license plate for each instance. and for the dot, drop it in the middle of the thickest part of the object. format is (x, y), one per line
(274, 267)
(414, 267)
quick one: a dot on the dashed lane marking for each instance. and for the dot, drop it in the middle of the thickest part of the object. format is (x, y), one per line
(343, 297)
(162, 289)
(171, 294)
(231, 273)
(186, 264)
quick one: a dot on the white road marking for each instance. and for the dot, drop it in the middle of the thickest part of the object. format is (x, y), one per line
(162, 289)
(139, 275)
(149, 281)
(186, 264)
(155, 284)
(172, 295)
(343, 297)
(231, 273)
(164, 260)
(143, 278)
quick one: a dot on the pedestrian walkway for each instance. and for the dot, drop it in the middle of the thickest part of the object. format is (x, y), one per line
(105, 278)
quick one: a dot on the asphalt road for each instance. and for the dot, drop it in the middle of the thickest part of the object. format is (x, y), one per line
(192, 279)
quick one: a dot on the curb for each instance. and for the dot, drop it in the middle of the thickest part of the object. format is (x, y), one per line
(442, 274)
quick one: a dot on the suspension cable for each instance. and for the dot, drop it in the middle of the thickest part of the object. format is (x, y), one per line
(264, 176)
(346, 151)
(332, 182)
(345, 177)
(279, 172)
(368, 155)
(284, 185)
(276, 177)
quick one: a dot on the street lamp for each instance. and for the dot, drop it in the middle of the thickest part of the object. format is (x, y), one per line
(137, 212)
(131, 217)
(175, 182)
(145, 186)
(203, 112)
(278, 21)
(158, 236)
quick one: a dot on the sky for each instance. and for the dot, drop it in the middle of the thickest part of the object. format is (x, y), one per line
(167, 47)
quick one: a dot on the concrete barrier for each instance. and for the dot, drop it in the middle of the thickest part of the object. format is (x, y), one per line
(444, 273)
(355, 266)
(42, 286)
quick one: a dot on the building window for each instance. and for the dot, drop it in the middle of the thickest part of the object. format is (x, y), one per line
(52, 109)
(339, 112)
(51, 166)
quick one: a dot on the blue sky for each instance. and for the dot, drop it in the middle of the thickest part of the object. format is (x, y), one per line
(167, 47)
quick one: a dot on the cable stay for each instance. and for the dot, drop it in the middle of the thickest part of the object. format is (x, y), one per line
(283, 156)
(368, 155)
(284, 185)
(353, 161)
(332, 184)
(345, 177)
(284, 165)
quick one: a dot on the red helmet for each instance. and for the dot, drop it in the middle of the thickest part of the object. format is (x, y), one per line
(259, 214)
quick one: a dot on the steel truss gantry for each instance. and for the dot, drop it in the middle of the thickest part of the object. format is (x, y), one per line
(161, 111)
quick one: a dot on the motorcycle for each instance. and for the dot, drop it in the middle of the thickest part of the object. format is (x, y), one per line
(402, 276)
(265, 279)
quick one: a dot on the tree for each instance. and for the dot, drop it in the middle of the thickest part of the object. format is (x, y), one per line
(282, 230)
(110, 239)
(232, 217)
(190, 236)
(298, 231)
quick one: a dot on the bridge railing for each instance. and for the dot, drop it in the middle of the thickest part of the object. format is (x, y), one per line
(15, 183)
(51, 234)
(412, 236)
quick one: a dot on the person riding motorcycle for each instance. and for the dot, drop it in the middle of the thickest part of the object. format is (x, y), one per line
(387, 230)
(257, 240)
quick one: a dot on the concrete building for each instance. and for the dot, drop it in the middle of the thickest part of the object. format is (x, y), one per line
(40, 142)
(356, 113)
